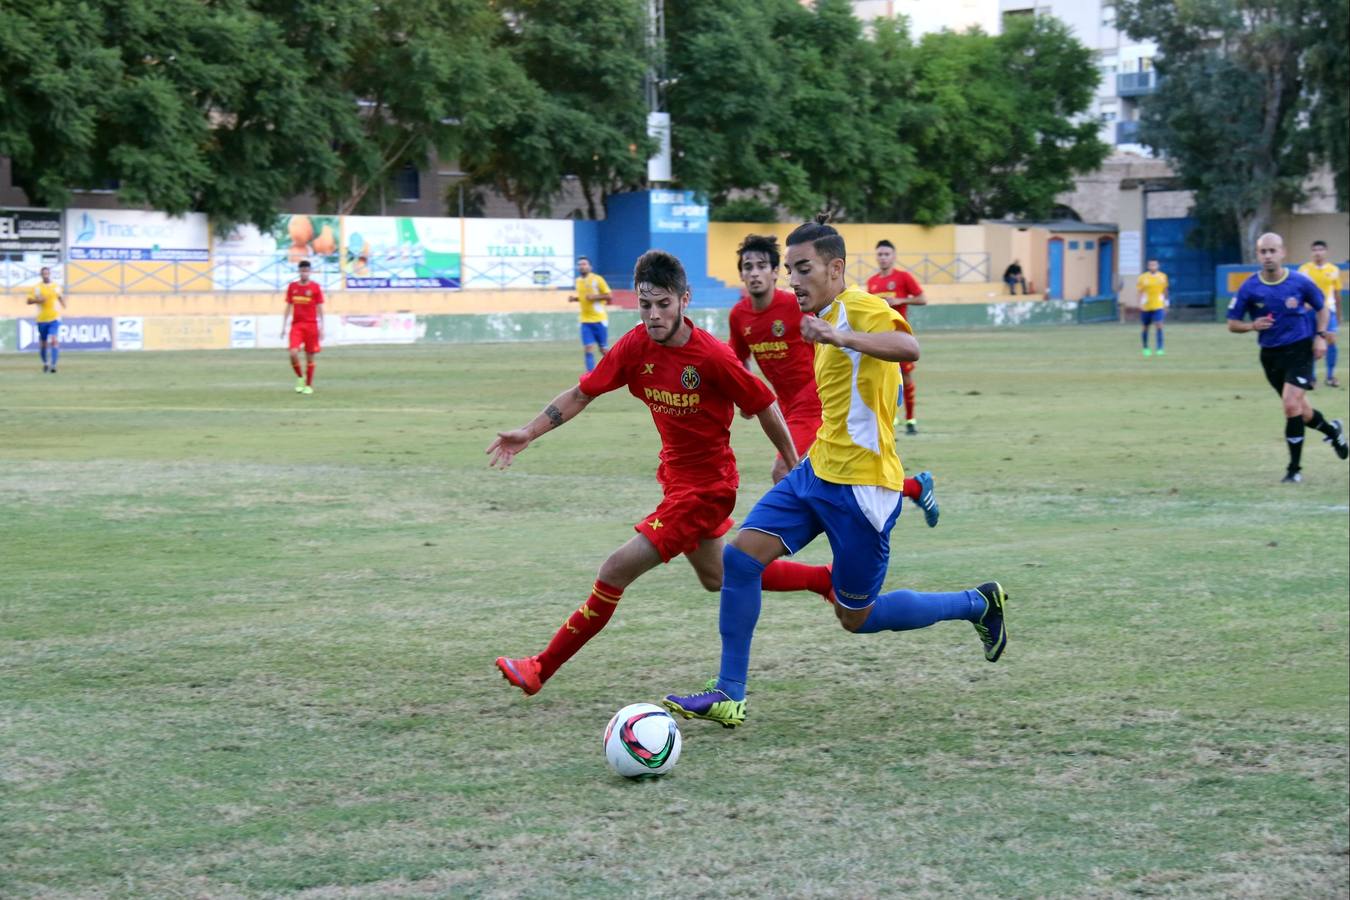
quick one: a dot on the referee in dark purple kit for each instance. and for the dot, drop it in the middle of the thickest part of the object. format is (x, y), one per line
(1277, 300)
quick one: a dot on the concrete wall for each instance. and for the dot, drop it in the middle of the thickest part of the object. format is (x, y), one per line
(1299, 231)
(725, 237)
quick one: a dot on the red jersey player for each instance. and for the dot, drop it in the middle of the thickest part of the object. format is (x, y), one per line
(767, 324)
(898, 288)
(689, 381)
(304, 297)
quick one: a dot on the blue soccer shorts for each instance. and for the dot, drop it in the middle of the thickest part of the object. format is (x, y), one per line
(595, 333)
(49, 331)
(1149, 317)
(857, 520)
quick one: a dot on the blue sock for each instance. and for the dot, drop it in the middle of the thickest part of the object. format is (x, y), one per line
(56, 351)
(590, 361)
(1160, 338)
(1331, 361)
(1143, 337)
(907, 610)
(42, 351)
(741, 597)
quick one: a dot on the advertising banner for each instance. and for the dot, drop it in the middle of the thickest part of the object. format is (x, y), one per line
(248, 259)
(518, 253)
(382, 328)
(243, 332)
(678, 212)
(187, 333)
(85, 333)
(116, 234)
(401, 253)
(129, 333)
(29, 240)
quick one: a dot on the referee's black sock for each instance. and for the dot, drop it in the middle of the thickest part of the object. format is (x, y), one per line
(1293, 436)
(1319, 422)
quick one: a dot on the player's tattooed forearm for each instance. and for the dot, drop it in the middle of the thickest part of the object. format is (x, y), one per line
(554, 415)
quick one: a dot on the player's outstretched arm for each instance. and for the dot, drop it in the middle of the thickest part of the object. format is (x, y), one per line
(918, 300)
(891, 346)
(507, 444)
(775, 428)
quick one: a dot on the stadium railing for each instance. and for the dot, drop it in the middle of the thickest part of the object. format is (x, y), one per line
(273, 273)
(927, 268)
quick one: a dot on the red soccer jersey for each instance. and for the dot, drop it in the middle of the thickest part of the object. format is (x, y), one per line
(690, 391)
(305, 300)
(774, 338)
(896, 286)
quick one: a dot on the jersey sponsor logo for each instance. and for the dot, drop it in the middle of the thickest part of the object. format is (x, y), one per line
(690, 378)
(1292, 302)
(778, 328)
(670, 398)
(769, 347)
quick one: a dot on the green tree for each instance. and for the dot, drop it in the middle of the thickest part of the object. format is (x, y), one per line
(1003, 126)
(1249, 101)
(584, 115)
(232, 107)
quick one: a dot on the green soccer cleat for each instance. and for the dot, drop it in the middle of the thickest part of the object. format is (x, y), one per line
(990, 626)
(299, 385)
(306, 390)
(710, 704)
(1148, 352)
(1160, 352)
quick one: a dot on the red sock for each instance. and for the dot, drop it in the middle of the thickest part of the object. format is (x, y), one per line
(909, 400)
(309, 373)
(295, 364)
(782, 575)
(579, 628)
(911, 489)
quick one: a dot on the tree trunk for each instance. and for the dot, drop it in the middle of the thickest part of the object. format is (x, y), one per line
(1252, 223)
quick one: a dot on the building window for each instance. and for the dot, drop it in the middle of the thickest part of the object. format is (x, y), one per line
(1088, 245)
(408, 184)
(1110, 112)
(1073, 245)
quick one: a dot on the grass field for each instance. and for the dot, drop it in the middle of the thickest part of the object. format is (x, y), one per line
(246, 640)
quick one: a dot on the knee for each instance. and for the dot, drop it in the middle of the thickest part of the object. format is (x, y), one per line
(710, 584)
(1292, 409)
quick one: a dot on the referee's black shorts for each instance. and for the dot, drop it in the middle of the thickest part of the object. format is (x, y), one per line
(1289, 364)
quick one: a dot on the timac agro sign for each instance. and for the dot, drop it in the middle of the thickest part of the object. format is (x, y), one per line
(117, 235)
(74, 334)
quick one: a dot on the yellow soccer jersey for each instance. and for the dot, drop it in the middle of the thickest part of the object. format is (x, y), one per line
(49, 310)
(589, 286)
(856, 443)
(1327, 277)
(1152, 288)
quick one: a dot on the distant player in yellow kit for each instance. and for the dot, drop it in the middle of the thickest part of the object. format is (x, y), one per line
(592, 294)
(1153, 303)
(45, 297)
(1327, 277)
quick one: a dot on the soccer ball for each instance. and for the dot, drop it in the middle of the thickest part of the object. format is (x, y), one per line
(642, 741)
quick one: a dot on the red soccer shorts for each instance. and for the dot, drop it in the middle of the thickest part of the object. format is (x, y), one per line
(305, 334)
(687, 515)
(803, 431)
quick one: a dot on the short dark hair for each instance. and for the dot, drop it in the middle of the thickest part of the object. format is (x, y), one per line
(884, 243)
(822, 237)
(580, 258)
(1320, 243)
(304, 264)
(660, 269)
(759, 243)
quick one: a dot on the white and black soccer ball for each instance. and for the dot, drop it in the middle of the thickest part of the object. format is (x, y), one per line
(642, 741)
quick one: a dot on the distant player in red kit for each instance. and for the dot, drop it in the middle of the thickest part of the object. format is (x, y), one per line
(691, 383)
(898, 288)
(304, 297)
(766, 324)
